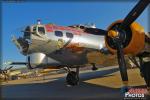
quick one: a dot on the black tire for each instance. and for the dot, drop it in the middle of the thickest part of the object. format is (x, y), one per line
(146, 72)
(72, 78)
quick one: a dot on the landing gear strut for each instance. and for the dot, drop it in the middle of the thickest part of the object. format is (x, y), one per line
(145, 72)
(93, 66)
(73, 77)
(144, 67)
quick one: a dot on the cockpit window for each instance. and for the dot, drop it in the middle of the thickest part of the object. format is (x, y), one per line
(27, 32)
(59, 33)
(41, 30)
(34, 29)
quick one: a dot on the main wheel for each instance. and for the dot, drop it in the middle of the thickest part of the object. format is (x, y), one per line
(72, 78)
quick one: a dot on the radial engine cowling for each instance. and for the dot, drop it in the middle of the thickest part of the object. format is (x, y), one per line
(133, 41)
(36, 60)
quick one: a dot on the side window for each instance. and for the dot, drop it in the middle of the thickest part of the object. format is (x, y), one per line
(69, 35)
(41, 30)
(59, 33)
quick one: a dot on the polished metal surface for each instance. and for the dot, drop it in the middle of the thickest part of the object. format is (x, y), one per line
(46, 49)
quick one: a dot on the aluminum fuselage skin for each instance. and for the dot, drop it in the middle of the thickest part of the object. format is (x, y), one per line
(50, 50)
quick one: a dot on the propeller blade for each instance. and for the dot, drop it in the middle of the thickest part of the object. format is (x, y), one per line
(9, 68)
(5, 69)
(121, 62)
(134, 13)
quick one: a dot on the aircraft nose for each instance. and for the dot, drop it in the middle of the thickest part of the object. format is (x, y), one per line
(21, 44)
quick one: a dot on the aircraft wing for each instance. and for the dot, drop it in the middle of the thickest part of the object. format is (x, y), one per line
(18, 63)
(15, 63)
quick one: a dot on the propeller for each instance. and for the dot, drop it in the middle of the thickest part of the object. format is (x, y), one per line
(119, 35)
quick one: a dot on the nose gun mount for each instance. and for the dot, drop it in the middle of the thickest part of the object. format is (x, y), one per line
(21, 44)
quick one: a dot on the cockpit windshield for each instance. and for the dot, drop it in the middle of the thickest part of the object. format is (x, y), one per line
(27, 32)
(34, 29)
(41, 30)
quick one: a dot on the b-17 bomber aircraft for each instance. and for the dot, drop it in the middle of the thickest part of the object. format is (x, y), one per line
(47, 45)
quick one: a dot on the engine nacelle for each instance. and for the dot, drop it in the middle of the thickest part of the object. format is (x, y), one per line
(134, 41)
(36, 59)
(40, 60)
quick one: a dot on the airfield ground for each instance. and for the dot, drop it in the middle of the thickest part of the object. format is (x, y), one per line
(105, 83)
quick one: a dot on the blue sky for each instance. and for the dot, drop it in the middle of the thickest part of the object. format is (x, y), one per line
(15, 16)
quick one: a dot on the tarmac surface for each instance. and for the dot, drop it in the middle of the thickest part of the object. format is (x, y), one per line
(104, 84)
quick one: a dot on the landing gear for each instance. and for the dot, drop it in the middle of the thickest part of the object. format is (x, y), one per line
(73, 77)
(93, 66)
(144, 67)
(146, 72)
